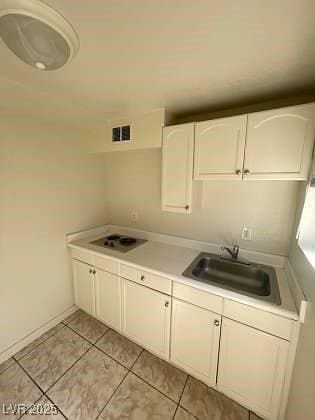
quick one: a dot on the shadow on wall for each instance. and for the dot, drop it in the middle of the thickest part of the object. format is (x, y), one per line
(220, 208)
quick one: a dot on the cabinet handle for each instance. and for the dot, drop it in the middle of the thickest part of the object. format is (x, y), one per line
(216, 322)
(187, 207)
(94, 271)
(247, 172)
(91, 271)
(142, 277)
(238, 172)
(166, 304)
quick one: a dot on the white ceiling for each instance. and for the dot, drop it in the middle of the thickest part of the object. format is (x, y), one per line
(184, 55)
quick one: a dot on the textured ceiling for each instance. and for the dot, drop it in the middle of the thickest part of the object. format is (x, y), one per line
(180, 54)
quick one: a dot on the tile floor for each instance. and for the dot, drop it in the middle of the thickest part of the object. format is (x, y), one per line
(85, 370)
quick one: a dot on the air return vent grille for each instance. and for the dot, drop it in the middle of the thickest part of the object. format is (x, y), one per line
(121, 134)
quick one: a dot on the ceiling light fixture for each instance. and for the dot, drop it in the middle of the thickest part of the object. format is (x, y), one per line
(37, 34)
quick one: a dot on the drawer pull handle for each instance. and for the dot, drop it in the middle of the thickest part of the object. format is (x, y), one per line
(142, 277)
(94, 271)
(216, 322)
(167, 304)
(91, 271)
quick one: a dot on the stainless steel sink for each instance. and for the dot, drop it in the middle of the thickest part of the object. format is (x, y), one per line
(255, 280)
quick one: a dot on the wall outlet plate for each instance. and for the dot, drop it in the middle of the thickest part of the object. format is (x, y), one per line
(246, 234)
(134, 216)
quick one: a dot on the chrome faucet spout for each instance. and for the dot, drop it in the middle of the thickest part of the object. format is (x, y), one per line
(233, 252)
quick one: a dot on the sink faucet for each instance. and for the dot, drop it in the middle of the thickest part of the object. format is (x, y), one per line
(233, 252)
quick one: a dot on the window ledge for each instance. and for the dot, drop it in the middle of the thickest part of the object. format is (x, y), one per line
(309, 252)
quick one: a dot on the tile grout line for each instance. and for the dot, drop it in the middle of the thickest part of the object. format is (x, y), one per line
(69, 368)
(26, 354)
(180, 397)
(14, 362)
(62, 413)
(128, 369)
(114, 392)
(134, 373)
(86, 339)
(39, 387)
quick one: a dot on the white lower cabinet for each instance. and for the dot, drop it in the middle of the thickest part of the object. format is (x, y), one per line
(146, 317)
(195, 340)
(208, 338)
(252, 367)
(84, 288)
(108, 298)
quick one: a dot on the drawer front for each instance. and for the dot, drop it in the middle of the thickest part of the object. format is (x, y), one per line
(106, 264)
(83, 256)
(259, 319)
(198, 297)
(146, 279)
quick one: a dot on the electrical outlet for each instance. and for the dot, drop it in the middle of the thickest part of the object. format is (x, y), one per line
(134, 216)
(246, 234)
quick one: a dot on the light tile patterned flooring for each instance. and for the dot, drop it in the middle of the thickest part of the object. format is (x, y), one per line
(91, 372)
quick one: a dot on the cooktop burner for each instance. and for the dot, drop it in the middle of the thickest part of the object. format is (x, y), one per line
(127, 241)
(113, 237)
(118, 242)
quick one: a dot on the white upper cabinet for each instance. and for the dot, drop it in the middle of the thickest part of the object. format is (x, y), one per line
(219, 148)
(177, 167)
(84, 290)
(252, 368)
(279, 143)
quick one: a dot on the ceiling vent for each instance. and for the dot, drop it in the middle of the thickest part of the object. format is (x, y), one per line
(37, 34)
(121, 134)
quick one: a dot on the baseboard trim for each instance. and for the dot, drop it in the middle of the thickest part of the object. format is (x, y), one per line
(10, 351)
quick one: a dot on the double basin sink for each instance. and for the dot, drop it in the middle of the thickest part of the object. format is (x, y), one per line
(254, 280)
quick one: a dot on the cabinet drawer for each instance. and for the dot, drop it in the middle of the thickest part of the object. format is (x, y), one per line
(257, 318)
(106, 264)
(147, 279)
(198, 297)
(83, 256)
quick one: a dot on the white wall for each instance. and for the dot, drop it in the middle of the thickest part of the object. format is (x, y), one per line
(49, 186)
(302, 395)
(268, 208)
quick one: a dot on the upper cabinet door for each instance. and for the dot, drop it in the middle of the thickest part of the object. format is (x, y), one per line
(177, 167)
(219, 148)
(279, 143)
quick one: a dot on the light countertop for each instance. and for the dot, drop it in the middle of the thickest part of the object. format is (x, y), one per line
(171, 260)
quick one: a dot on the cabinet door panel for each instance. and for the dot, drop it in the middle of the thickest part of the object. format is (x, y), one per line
(195, 340)
(279, 143)
(219, 148)
(252, 367)
(84, 287)
(177, 167)
(108, 298)
(146, 317)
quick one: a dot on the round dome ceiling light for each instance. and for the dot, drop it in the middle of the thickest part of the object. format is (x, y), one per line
(37, 34)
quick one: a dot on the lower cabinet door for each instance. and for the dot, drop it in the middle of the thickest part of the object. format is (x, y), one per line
(84, 292)
(146, 317)
(252, 367)
(195, 340)
(108, 298)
